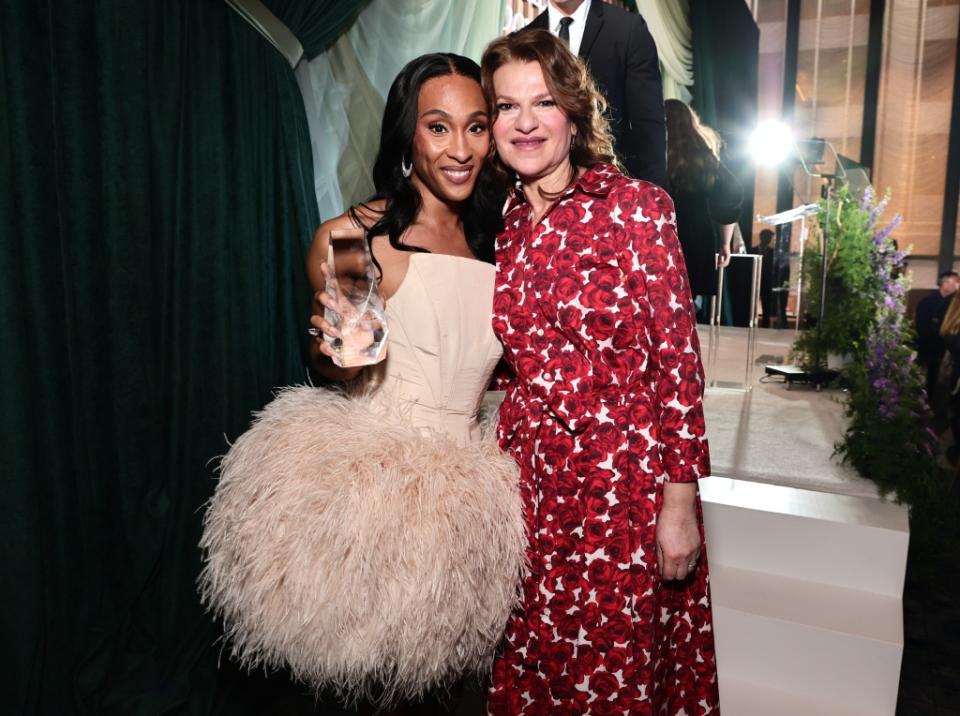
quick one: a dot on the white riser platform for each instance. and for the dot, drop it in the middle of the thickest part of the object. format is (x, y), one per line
(740, 698)
(807, 591)
(806, 639)
(851, 542)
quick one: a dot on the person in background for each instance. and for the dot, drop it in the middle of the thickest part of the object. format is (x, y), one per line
(765, 251)
(604, 414)
(950, 335)
(928, 320)
(622, 59)
(707, 198)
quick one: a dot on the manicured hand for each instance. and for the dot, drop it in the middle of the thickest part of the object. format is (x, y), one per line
(678, 534)
(319, 324)
(366, 329)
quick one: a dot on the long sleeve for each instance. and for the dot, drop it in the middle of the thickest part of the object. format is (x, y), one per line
(656, 279)
(645, 137)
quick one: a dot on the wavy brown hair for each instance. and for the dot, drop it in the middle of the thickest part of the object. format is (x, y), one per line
(693, 149)
(570, 86)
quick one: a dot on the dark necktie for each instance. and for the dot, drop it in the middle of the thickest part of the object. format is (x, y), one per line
(565, 23)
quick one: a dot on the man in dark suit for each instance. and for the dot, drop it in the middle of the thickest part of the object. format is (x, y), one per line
(623, 61)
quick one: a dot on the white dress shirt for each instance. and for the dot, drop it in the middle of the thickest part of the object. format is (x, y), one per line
(579, 18)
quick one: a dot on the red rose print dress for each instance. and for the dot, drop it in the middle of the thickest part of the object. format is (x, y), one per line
(593, 308)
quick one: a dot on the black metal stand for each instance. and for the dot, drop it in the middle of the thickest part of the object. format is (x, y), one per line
(819, 374)
(795, 374)
(820, 370)
(778, 276)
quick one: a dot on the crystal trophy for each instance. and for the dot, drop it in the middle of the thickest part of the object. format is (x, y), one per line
(352, 285)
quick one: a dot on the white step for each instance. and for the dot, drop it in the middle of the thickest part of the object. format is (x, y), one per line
(742, 698)
(838, 646)
(852, 542)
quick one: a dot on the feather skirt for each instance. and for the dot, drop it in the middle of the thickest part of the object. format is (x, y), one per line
(361, 553)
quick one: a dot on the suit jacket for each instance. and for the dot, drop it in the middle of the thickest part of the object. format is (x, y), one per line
(622, 58)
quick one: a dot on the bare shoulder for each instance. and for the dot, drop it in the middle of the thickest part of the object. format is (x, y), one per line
(362, 215)
(370, 212)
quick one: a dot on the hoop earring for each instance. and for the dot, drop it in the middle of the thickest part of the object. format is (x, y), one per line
(406, 169)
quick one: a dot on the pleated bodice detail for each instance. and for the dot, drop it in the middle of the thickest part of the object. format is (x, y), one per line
(441, 348)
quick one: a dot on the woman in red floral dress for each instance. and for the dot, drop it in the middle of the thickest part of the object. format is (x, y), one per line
(604, 415)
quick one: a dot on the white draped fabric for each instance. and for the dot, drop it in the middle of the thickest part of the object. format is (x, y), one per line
(268, 25)
(344, 89)
(669, 23)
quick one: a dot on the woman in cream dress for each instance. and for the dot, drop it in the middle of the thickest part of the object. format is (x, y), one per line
(370, 539)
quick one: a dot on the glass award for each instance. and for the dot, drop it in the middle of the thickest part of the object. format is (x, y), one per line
(352, 284)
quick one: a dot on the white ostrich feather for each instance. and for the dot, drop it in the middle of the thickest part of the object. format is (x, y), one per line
(359, 552)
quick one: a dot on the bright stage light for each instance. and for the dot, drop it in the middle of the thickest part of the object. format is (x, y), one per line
(771, 143)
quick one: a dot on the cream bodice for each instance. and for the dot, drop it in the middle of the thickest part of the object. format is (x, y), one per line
(441, 348)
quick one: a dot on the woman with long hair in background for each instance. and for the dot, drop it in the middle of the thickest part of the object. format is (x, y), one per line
(706, 195)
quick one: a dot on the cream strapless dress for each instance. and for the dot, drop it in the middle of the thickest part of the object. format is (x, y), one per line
(442, 349)
(372, 540)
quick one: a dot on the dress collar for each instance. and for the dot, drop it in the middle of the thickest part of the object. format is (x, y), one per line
(598, 180)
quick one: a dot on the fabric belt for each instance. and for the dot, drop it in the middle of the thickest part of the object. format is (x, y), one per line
(536, 406)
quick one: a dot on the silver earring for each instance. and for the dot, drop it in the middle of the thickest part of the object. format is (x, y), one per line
(406, 169)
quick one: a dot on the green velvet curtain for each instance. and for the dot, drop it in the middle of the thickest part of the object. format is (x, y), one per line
(156, 201)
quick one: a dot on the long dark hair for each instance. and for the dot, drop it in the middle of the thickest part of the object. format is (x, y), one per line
(693, 149)
(481, 213)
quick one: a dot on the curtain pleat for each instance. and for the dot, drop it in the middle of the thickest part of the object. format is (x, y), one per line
(317, 23)
(156, 202)
(669, 23)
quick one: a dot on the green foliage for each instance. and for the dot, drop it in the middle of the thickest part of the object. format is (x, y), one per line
(888, 438)
(894, 450)
(852, 285)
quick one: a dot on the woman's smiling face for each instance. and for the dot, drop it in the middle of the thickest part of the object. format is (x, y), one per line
(452, 138)
(532, 133)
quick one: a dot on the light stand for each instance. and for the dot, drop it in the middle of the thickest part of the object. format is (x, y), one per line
(822, 373)
(819, 374)
(811, 152)
(782, 237)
